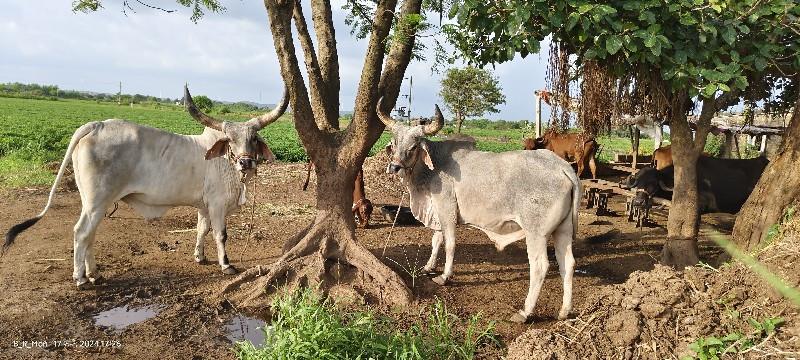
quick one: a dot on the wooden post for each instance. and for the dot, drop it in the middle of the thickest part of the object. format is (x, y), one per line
(738, 152)
(764, 143)
(659, 136)
(538, 115)
(728, 145)
(635, 148)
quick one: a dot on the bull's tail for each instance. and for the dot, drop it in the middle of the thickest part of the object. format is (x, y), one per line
(17, 229)
(576, 200)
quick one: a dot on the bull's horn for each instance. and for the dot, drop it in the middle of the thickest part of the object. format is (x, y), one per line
(274, 114)
(664, 186)
(436, 125)
(198, 115)
(385, 118)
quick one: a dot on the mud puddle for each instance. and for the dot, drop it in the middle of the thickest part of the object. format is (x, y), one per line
(242, 328)
(118, 318)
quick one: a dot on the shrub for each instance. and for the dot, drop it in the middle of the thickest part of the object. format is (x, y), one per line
(307, 326)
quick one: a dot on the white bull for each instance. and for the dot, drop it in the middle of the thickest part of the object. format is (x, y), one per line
(511, 196)
(153, 171)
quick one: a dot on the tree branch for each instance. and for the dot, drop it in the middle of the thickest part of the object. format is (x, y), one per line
(365, 125)
(367, 94)
(320, 100)
(327, 51)
(280, 22)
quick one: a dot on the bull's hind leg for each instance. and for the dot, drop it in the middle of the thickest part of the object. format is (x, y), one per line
(537, 259)
(436, 243)
(203, 226)
(84, 265)
(566, 262)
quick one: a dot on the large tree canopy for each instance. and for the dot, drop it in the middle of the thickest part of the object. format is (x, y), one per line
(660, 55)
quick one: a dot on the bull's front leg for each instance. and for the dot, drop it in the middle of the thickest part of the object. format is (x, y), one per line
(221, 237)
(449, 234)
(436, 243)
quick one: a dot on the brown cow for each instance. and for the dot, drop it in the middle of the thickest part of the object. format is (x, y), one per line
(580, 148)
(362, 207)
(662, 157)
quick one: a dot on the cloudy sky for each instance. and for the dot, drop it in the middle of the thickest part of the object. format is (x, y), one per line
(228, 56)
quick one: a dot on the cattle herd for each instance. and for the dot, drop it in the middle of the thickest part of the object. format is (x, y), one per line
(510, 196)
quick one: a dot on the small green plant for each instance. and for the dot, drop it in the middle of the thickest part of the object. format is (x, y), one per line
(713, 348)
(308, 326)
(776, 230)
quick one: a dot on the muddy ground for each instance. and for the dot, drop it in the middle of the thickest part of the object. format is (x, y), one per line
(43, 314)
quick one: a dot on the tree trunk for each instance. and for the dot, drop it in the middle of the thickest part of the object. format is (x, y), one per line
(325, 255)
(680, 250)
(777, 189)
(460, 119)
(683, 223)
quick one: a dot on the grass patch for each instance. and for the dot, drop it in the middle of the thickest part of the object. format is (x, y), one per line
(16, 172)
(306, 326)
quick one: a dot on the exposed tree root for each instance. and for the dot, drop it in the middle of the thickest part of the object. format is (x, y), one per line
(324, 254)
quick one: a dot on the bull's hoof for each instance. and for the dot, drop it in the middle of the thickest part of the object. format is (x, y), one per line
(519, 318)
(230, 270)
(202, 261)
(563, 314)
(85, 285)
(440, 280)
(97, 280)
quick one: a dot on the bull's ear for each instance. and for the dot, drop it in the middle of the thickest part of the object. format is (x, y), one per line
(426, 156)
(389, 150)
(264, 153)
(219, 149)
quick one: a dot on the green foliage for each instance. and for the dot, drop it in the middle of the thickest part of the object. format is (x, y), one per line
(306, 326)
(471, 92)
(35, 132)
(704, 46)
(714, 145)
(197, 7)
(203, 103)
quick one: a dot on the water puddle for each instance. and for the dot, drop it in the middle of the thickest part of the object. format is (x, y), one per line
(242, 328)
(122, 316)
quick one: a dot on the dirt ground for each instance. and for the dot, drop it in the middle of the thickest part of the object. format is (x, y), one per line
(150, 264)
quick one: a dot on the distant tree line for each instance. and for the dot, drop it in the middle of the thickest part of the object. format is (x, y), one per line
(52, 92)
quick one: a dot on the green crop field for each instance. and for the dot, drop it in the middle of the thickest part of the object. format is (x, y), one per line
(34, 132)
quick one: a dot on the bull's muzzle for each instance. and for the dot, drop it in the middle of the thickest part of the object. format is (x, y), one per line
(642, 199)
(393, 168)
(246, 163)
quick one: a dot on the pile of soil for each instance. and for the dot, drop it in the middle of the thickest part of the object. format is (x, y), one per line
(659, 313)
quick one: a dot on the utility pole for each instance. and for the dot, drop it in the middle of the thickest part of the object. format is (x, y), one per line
(410, 85)
(538, 114)
(119, 95)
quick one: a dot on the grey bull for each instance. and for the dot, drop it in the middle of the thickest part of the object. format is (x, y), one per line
(153, 171)
(510, 196)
